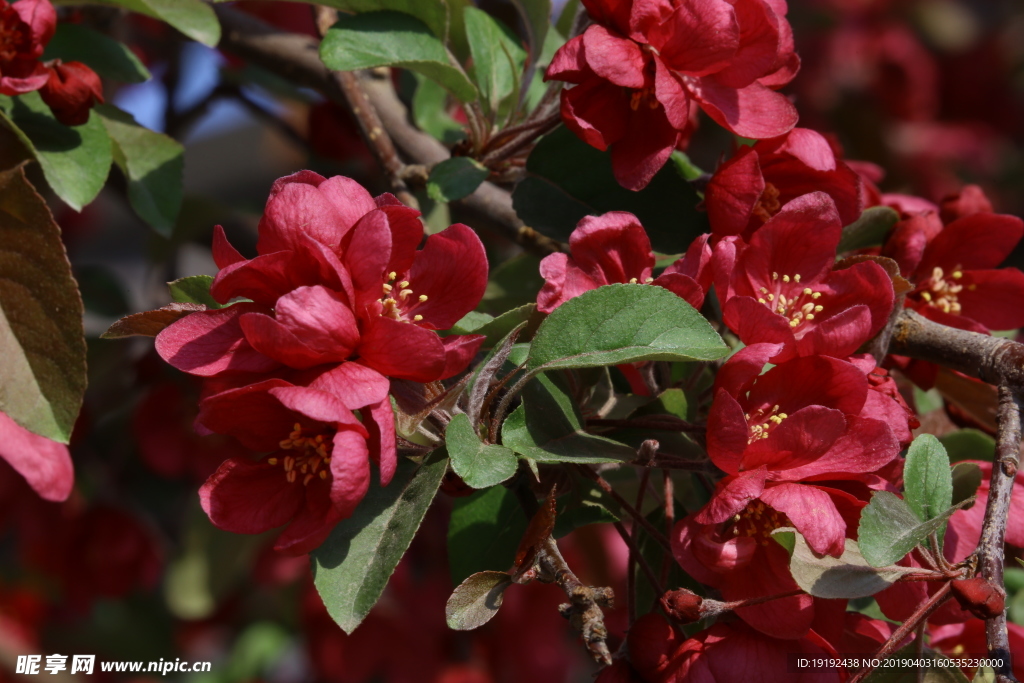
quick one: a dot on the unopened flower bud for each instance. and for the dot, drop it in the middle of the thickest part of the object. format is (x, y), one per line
(683, 605)
(979, 597)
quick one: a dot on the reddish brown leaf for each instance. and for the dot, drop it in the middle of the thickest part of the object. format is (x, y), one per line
(536, 533)
(150, 323)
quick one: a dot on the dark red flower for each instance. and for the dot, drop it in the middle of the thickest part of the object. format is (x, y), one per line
(757, 181)
(318, 467)
(614, 248)
(639, 71)
(25, 29)
(71, 91)
(726, 652)
(781, 288)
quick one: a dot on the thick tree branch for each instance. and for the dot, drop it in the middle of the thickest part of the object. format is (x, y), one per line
(296, 58)
(993, 531)
(994, 360)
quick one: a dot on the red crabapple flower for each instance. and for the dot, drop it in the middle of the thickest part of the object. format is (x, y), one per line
(781, 288)
(751, 187)
(641, 68)
(317, 466)
(614, 248)
(727, 651)
(25, 29)
(801, 446)
(71, 91)
(44, 463)
(338, 277)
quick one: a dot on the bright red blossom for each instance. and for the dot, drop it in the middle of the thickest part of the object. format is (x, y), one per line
(781, 288)
(71, 91)
(614, 248)
(643, 66)
(751, 187)
(25, 29)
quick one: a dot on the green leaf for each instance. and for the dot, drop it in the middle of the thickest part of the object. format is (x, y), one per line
(430, 111)
(390, 38)
(154, 165)
(476, 600)
(966, 478)
(927, 479)
(193, 18)
(623, 324)
(194, 289)
(75, 160)
(497, 328)
(566, 17)
(969, 444)
(536, 16)
(480, 465)
(567, 179)
(354, 564)
(847, 576)
(42, 362)
(548, 427)
(889, 528)
(455, 178)
(686, 168)
(109, 58)
(869, 230)
(497, 54)
(585, 504)
(471, 322)
(484, 532)
(486, 370)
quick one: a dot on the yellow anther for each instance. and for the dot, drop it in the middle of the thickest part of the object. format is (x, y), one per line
(387, 288)
(783, 416)
(794, 323)
(403, 284)
(780, 310)
(807, 290)
(289, 463)
(785, 278)
(771, 297)
(392, 275)
(796, 278)
(816, 295)
(957, 274)
(761, 301)
(764, 290)
(417, 318)
(404, 293)
(648, 280)
(422, 297)
(271, 461)
(285, 444)
(775, 408)
(818, 308)
(323, 474)
(926, 296)
(775, 276)
(308, 478)
(632, 280)
(291, 476)
(810, 316)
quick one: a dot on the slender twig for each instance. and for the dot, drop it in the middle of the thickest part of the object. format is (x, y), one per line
(670, 520)
(645, 566)
(630, 510)
(993, 530)
(646, 453)
(667, 423)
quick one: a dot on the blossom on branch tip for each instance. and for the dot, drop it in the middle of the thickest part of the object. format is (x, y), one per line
(25, 29)
(781, 287)
(71, 91)
(614, 248)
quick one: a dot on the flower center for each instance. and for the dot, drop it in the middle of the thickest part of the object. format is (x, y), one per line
(398, 300)
(758, 521)
(787, 299)
(941, 292)
(761, 422)
(643, 96)
(13, 34)
(768, 204)
(310, 457)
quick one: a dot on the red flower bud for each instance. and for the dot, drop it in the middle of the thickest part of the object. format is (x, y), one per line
(71, 91)
(683, 605)
(979, 597)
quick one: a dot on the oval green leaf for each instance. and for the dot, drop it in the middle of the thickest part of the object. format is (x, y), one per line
(480, 465)
(476, 600)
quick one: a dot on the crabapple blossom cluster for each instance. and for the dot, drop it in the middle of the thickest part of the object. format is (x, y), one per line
(643, 70)
(338, 301)
(70, 89)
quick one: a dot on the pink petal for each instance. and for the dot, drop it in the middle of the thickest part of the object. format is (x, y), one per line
(354, 384)
(758, 51)
(451, 270)
(402, 350)
(224, 254)
(569, 64)
(563, 281)
(206, 343)
(41, 18)
(613, 58)
(45, 464)
(612, 248)
(698, 38)
(752, 112)
(813, 514)
(317, 405)
(733, 192)
(350, 200)
(380, 424)
(459, 351)
(682, 286)
(866, 446)
(299, 209)
(350, 469)
(247, 497)
(801, 438)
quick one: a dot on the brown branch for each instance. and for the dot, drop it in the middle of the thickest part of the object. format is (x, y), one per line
(994, 360)
(590, 473)
(993, 531)
(296, 58)
(585, 602)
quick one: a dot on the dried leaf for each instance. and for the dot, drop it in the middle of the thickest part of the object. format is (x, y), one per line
(150, 323)
(540, 528)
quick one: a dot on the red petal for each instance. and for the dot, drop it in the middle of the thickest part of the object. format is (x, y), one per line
(350, 200)
(671, 93)
(563, 281)
(646, 146)
(206, 343)
(299, 209)
(738, 373)
(758, 51)
(866, 446)
(612, 248)
(752, 112)
(369, 253)
(251, 414)
(402, 350)
(613, 58)
(813, 514)
(993, 298)
(41, 18)
(459, 351)
(45, 464)
(379, 421)
(224, 254)
(700, 37)
(614, 13)
(786, 618)
(732, 495)
(976, 242)
(318, 406)
(801, 438)
(451, 270)
(682, 286)
(753, 323)
(312, 523)
(733, 192)
(727, 432)
(356, 385)
(597, 111)
(350, 469)
(816, 380)
(249, 498)
(569, 64)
